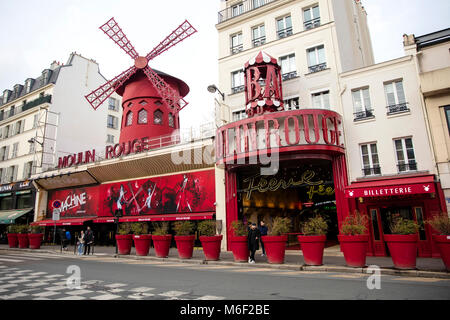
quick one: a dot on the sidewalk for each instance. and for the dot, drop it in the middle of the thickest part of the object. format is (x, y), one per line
(333, 261)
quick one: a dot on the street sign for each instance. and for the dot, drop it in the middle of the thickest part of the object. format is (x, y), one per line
(56, 214)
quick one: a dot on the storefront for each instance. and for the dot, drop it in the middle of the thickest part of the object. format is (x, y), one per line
(415, 197)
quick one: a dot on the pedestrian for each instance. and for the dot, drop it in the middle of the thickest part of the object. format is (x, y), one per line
(68, 237)
(88, 240)
(263, 231)
(253, 242)
(81, 243)
(62, 235)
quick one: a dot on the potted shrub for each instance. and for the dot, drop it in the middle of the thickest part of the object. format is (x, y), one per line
(313, 240)
(239, 241)
(22, 236)
(441, 224)
(354, 239)
(402, 243)
(275, 241)
(210, 241)
(124, 238)
(35, 237)
(161, 239)
(141, 238)
(12, 236)
(184, 239)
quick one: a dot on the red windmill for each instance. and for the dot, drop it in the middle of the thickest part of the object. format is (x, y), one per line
(151, 99)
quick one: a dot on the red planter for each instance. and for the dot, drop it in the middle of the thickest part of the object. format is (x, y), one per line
(185, 246)
(443, 243)
(354, 249)
(211, 246)
(312, 248)
(403, 249)
(239, 247)
(142, 244)
(12, 240)
(124, 243)
(162, 245)
(275, 248)
(23, 240)
(35, 240)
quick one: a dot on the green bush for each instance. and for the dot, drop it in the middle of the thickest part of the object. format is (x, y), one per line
(280, 226)
(404, 226)
(315, 226)
(23, 228)
(161, 228)
(441, 224)
(184, 228)
(13, 228)
(355, 224)
(207, 228)
(36, 229)
(139, 228)
(124, 228)
(238, 228)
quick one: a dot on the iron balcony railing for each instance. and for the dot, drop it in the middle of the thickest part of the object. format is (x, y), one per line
(236, 10)
(409, 166)
(284, 33)
(25, 107)
(289, 75)
(236, 49)
(376, 170)
(313, 23)
(361, 115)
(237, 89)
(259, 41)
(397, 108)
(317, 67)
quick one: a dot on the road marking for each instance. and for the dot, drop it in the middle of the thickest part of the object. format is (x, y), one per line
(116, 290)
(21, 257)
(36, 255)
(6, 286)
(10, 260)
(54, 276)
(37, 284)
(349, 276)
(106, 297)
(116, 285)
(20, 281)
(250, 270)
(56, 288)
(419, 279)
(72, 298)
(14, 296)
(79, 292)
(211, 298)
(141, 289)
(46, 294)
(172, 293)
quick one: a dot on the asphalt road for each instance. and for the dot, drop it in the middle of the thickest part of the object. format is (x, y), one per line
(41, 276)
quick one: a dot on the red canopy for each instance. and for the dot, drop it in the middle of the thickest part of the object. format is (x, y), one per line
(62, 222)
(104, 220)
(170, 217)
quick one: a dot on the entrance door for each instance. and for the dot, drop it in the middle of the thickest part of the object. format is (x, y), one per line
(424, 244)
(379, 248)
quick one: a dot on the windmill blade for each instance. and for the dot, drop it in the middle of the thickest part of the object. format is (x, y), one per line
(112, 30)
(181, 33)
(169, 95)
(99, 95)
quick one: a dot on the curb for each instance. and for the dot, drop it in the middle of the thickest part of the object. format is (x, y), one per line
(293, 267)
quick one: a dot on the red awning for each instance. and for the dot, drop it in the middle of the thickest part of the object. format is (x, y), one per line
(104, 220)
(170, 217)
(62, 222)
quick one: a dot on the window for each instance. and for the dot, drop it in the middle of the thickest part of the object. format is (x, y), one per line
(447, 116)
(35, 121)
(258, 3)
(110, 138)
(27, 170)
(6, 94)
(284, 27)
(236, 43)
(11, 174)
(237, 9)
(28, 85)
(288, 67)
(316, 59)
(370, 162)
(129, 119)
(15, 150)
(239, 115)
(406, 160)
(171, 120)
(321, 100)
(395, 97)
(158, 117)
(19, 127)
(311, 17)
(4, 153)
(112, 122)
(258, 36)
(112, 104)
(24, 201)
(292, 104)
(12, 111)
(142, 116)
(237, 81)
(361, 104)
(7, 132)
(32, 148)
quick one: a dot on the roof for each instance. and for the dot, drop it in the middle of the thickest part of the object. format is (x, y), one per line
(261, 57)
(433, 38)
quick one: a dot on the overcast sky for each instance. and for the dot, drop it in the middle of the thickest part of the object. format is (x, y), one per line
(34, 33)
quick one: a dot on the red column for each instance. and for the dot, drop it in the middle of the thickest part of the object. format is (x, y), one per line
(230, 201)
(340, 182)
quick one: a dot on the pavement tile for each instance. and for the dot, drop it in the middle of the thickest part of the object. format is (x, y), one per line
(106, 297)
(46, 294)
(141, 289)
(79, 292)
(72, 298)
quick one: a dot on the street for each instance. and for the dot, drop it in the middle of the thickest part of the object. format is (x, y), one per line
(43, 276)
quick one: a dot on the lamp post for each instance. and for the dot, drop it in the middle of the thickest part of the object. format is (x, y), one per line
(213, 88)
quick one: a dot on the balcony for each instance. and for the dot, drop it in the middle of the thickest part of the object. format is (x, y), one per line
(236, 49)
(259, 41)
(376, 170)
(25, 107)
(311, 24)
(247, 5)
(362, 115)
(410, 166)
(317, 67)
(397, 108)
(237, 89)
(284, 33)
(289, 75)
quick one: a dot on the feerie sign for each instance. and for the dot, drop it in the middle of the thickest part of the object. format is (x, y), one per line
(390, 191)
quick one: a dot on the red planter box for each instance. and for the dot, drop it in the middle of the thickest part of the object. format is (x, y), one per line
(312, 248)
(239, 247)
(403, 249)
(124, 243)
(443, 243)
(211, 247)
(185, 246)
(162, 245)
(23, 240)
(354, 249)
(35, 240)
(142, 244)
(275, 248)
(12, 240)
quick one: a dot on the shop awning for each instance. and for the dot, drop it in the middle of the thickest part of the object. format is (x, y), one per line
(104, 220)
(9, 216)
(62, 222)
(170, 217)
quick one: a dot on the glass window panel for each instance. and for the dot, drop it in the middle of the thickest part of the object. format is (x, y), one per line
(400, 92)
(316, 12)
(142, 116)
(307, 14)
(398, 145)
(129, 119)
(280, 24)
(408, 143)
(316, 101)
(321, 54)
(419, 217)
(357, 105)
(292, 63)
(366, 98)
(390, 96)
(326, 100)
(410, 154)
(364, 149)
(158, 115)
(288, 22)
(312, 61)
(366, 161)
(376, 230)
(373, 148)
(375, 161)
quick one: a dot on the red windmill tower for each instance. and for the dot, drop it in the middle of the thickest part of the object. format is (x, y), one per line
(151, 99)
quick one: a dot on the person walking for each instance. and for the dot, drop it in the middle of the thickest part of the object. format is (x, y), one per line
(63, 237)
(81, 243)
(88, 240)
(253, 242)
(263, 231)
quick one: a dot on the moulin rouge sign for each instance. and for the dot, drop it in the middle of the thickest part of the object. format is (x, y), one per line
(111, 152)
